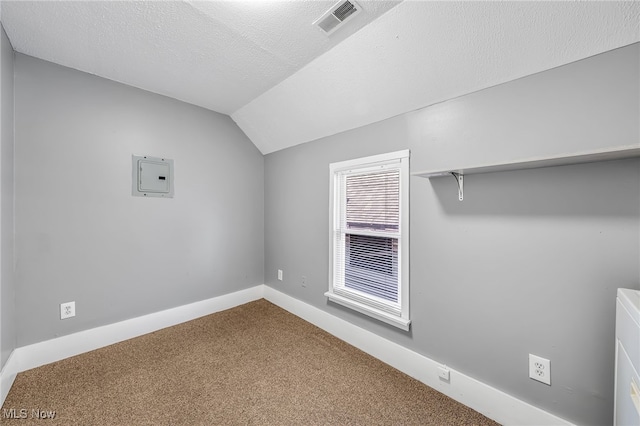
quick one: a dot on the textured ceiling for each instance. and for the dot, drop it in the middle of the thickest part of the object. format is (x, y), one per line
(215, 54)
(421, 53)
(286, 83)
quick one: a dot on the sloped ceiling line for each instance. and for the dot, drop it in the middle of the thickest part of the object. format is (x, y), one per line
(284, 82)
(422, 53)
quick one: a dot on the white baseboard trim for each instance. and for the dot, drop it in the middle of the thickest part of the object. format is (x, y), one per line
(6, 378)
(37, 354)
(493, 403)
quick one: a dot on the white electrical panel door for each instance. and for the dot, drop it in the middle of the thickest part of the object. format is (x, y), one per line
(152, 177)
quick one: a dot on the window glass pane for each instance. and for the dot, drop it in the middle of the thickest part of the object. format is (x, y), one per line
(369, 244)
(373, 201)
(371, 265)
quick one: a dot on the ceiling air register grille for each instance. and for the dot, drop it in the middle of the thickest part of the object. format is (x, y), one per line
(337, 15)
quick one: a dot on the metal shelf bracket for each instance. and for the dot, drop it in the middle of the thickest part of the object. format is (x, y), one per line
(460, 180)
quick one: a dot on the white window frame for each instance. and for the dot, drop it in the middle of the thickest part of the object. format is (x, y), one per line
(396, 314)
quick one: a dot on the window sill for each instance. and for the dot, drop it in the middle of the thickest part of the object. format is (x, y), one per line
(372, 312)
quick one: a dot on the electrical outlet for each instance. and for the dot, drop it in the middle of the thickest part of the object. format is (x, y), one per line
(304, 281)
(279, 274)
(540, 369)
(444, 373)
(67, 310)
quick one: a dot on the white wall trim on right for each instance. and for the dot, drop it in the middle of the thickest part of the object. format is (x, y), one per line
(491, 402)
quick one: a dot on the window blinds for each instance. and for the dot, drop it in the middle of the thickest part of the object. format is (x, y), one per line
(373, 201)
(367, 241)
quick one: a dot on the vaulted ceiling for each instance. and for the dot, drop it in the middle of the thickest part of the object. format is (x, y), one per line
(285, 82)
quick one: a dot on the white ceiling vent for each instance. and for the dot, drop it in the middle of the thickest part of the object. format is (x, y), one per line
(335, 17)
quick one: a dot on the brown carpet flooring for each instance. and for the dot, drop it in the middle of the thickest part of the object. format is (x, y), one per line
(255, 364)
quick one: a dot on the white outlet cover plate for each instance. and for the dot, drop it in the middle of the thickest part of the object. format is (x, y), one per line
(444, 373)
(540, 369)
(67, 310)
(280, 274)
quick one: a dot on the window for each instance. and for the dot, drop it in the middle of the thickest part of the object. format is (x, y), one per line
(369, 247)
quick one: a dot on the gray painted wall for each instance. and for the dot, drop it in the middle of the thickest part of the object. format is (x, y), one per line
(529, 262)
(589, 105)
(81, 236)
(7, 282)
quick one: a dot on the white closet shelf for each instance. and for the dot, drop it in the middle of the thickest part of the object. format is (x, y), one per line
(617, 153)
